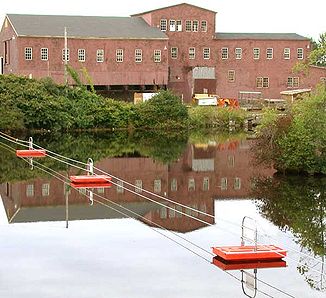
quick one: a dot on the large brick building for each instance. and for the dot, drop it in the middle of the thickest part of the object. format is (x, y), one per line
(174, 47)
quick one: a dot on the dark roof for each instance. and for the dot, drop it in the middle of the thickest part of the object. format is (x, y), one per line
(262, 36)
(84, 27)
(149, 11)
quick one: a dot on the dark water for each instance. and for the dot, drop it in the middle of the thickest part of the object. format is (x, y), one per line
(127, 245)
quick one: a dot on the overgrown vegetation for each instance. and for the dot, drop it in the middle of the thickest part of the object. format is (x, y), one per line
(295, 142)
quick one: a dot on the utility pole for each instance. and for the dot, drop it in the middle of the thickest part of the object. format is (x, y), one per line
(65, 56)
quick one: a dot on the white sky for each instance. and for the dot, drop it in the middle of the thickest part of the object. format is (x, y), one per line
(287, 16)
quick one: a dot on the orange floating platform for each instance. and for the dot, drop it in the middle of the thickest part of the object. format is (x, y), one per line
(91, 185)
(249, 253)
(31, 153)
(236, 265)
(90, 179)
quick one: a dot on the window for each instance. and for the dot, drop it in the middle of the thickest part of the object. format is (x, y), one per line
(224, 183)
(206, 183)
(231, 76)
(172, 25)
(120, 186)
(269, 53)
(188, 26)
(100, 190)
(100, 55)
(119, 55)
(30, 190)
(195, 26)
(238, 53)
(28, 54)
(256, 53)
(179, 25)
(192, 53)
(7, 52)
(225, 53)
(174, 53)
(174, 184)
(45, 189)
(203, 26)
(231, 161)
(191, 184)
(138, 55)
(300, 53)
(163, 212)
(293, 82)
(171, 213)
(157, 185)
(262, 82)
(157, 56)
(138, 186)
(65, 55)
(206, 53)
(81, 55)
(44, 54)
(286, 53)
(237, 183)
(163, 24)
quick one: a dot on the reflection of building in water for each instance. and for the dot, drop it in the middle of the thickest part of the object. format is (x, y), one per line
(203, 173)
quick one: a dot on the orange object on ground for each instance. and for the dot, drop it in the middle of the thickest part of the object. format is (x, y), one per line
(90, 179)
(249, 253)
(31, 153)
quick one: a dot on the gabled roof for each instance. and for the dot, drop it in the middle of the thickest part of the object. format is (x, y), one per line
(261, 36)
(149, 11)
(84, 27)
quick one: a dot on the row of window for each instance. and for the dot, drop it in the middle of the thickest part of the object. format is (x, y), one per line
(45, 190)
(173, 211)
(176, 25)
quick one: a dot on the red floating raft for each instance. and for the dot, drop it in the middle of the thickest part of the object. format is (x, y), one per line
(249, 253)
(90, 179)
(31, 153)
(91, 185)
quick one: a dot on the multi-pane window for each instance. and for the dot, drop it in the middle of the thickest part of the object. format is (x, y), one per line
(171, 213)
(206, 183)
(225, 53)
(163, 212)
(172, 25)
(195, 26)
(269, 53)
(231, 161)
(45, 189)
(65, 55)
(138, 186)
(231, 76)
(120, 188)
(157, 56)
(262, 82)
(174, 184)
(300, 53)
(138, 55)
(174, 53)
(163, 24)
(256, 53)
(30, 190)
(188, 25)
(44, 54)
(293, 82)
(238, 53)
(179, 25)
(203, 26)
(81, 55)
(206, 53)
(100, 55)
(191, 184)
(119, 55)
(157, 185)
(28, 53)
(224, 183)
(237, 183)
(192, 53)
(286, 53)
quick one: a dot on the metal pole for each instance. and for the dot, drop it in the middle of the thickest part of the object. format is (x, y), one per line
(67, 206)
(65, 56)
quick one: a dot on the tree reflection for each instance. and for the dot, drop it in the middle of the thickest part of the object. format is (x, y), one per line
(298, 204)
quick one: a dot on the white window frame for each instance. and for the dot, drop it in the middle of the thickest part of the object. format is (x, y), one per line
(231, 76)
(188, 25)
(65, 56)
(237, 183)
(206, 53)
(45, 189)
(205, 183)
(238, 53)
(287, 53)
(157, 187)
(293, 82)
(81, 55)
(174, 184)
(138, 55)
(138, 185)
(174, 53)
(224, 183)
(157, 56)
(203, 26)
(256, 53)
(100, 55)
(262, 82)
(269, 53)
(191, 184)
(163, 24)
(119, 55)
(120, 188)
(300, 53)
(172, 25)
(30, 190)
(192, 53)
(44, 54)
(195, 26)
(225, 53)
(179, 25)
(28, 53)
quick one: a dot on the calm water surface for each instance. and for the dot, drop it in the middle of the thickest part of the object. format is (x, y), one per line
(105, 253)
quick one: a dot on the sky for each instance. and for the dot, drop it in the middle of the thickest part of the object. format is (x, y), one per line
(279, 16)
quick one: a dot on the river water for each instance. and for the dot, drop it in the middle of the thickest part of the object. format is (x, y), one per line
(137, 238)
